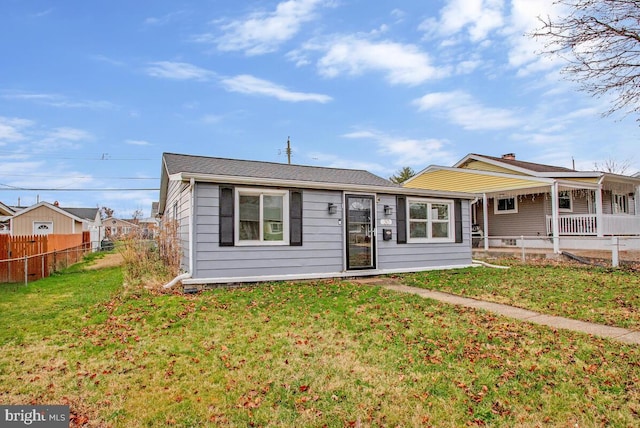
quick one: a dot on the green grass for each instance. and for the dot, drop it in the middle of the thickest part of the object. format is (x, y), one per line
(598, 295)
(290, 355)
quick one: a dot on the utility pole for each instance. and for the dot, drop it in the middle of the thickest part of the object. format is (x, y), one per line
(289, 150)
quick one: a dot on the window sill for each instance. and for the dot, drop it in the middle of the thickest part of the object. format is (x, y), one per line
(261, 243)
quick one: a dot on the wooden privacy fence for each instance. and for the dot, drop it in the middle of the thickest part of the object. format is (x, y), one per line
(29, 258)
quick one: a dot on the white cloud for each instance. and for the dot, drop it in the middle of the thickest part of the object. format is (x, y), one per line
(137, 142)
(69, 134)
(107, 60)
(335, 161)
(247, 84)
(478, 17)
(407, 151)
(355, 55)
(462, 109)
(211, 118)
(56, 100)
(13, 129)
(522, 21)
(164, 19)
(263, 32)
(178, 71)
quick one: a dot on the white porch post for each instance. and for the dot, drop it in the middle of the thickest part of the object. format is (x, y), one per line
(599, 217)
(555, 217)
(485, 221)
(636, 198)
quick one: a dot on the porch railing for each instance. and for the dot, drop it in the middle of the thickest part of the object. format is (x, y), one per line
(587, 225)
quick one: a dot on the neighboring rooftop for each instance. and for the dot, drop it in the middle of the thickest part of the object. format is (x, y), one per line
(510, 159)
(83, 213)
(177, 163)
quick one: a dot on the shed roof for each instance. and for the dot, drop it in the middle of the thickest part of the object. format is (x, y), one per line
(178, 163)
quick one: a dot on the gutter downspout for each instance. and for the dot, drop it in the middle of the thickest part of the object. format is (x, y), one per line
(187, 275)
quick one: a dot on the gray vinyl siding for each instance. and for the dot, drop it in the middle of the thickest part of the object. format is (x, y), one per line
(321, 251)
(528, 221)
(579, 204)
(394, 256)
(323, 247)
(178, 207)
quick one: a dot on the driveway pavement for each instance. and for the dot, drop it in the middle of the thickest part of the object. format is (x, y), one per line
(600, 330)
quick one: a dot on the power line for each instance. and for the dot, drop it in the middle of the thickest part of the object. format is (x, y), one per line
(103, 157)
(36, 189)
(79, 176)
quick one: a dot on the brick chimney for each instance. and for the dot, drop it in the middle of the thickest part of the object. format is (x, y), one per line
(509, 156)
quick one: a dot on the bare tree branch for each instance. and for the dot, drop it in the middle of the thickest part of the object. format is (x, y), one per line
(600, 40)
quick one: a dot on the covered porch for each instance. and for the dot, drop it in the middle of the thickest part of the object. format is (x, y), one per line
(574, 213)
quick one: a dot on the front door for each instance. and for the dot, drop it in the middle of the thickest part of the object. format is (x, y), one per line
(360, 232)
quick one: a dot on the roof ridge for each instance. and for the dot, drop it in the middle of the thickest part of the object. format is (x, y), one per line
(269, 162)
(515, 162)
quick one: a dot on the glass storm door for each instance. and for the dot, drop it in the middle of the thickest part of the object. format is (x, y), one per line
(360, 232)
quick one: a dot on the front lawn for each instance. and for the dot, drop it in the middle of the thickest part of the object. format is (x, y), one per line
(291, 355)
(599, 295)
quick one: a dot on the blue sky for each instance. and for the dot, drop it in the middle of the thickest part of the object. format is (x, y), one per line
(92, 93)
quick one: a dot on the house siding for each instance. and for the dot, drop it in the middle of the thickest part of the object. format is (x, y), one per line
(580, 204)
(23, 224)
(528, 221)
(484, 166)
(323, 248)
(320, 253)
(178, 207)
(394, 256)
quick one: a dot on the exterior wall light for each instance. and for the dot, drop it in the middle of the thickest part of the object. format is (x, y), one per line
(388, 210)
(332, 208)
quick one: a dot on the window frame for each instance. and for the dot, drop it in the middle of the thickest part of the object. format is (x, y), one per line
(512, 211)
(261, 192)
(569, 193)
(37, 230)
(429, 220)
(616, 208)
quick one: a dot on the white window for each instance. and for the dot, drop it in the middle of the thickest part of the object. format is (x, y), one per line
(565, 201)
(430, 220)
(620, 204)
(505, 206)
(262, 217)
(42, 227)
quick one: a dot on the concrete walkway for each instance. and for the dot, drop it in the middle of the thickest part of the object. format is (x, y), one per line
(615, 333)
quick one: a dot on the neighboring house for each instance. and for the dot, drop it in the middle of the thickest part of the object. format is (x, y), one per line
(149, 227)
(534, 200)
(248, 221)
(115, 228)
(6, 212)
(44, 218)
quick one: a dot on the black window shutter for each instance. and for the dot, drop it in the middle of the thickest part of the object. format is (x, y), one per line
(457, 216)
(295, 218)
(401, 219)
(226, 216)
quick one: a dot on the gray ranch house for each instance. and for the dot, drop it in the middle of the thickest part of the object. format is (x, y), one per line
(249, 221)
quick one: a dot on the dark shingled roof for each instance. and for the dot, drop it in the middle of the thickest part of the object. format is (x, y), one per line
(177, 163)
(536, 167)
(83, 213)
